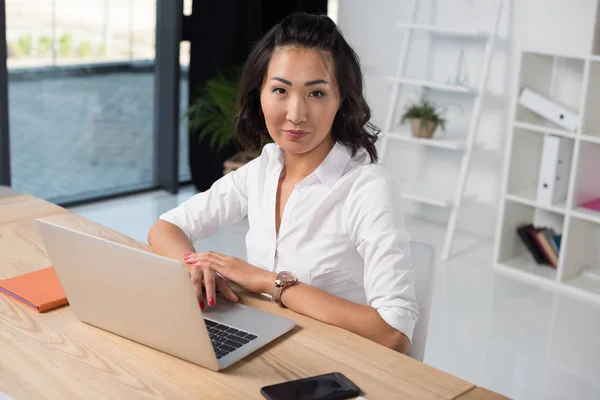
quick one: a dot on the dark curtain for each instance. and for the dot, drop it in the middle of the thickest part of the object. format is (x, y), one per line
(221, 33)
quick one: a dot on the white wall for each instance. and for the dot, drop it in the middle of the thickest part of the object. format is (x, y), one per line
(369, 27)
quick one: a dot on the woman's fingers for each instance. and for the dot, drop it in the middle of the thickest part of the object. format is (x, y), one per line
(196, 277)
(224, 288)
(209, 285)
(204, 268)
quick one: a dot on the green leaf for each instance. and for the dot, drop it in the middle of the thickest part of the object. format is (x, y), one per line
(426, 110)
(213, 114)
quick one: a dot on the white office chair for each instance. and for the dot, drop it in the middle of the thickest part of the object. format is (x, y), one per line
(5, 191)
(423, 260)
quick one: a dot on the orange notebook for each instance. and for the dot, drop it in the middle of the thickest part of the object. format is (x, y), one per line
(39, 290)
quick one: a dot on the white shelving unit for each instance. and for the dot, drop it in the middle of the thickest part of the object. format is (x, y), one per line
(572, 79)
(450, 142)
(432, 84)
(448, 31)
(462, 142)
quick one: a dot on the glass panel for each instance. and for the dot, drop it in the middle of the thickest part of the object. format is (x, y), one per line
(29, 33)
(143, 29)
(81, 114)
(184, 62)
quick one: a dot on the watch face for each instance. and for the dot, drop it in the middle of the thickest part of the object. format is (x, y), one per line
(287, 277)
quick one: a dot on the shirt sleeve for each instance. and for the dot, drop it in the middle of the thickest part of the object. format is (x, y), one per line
(226, 202)
(377, 228)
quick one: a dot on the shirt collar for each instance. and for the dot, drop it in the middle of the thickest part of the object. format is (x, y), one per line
(328, 172)
(275, 157)
(332, 167)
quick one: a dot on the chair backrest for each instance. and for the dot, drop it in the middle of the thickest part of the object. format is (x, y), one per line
(5, 191)
(423, 260)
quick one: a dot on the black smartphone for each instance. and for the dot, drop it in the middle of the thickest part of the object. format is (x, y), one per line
(333, 386)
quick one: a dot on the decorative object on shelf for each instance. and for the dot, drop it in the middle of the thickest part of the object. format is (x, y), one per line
(593, 205)
(461, 77)
(424, 117)
(549, 109)
(213, 116)
(598, 248)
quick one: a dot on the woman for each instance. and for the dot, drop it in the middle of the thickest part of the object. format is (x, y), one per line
(326, 238)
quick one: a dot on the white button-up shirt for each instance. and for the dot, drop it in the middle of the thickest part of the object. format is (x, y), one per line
(341, 231)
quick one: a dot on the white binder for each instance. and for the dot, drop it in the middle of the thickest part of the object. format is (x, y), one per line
(555, 163)
(549, 109)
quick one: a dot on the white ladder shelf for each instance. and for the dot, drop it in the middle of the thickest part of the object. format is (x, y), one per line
(453, 200)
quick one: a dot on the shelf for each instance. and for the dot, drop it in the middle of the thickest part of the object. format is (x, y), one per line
(551, 54)
(571, 82)
(524, 169)
(433, 84)
(591, 118)
(557, 78)
(445, 30)
(524, 266)
(590, 138)
(586, 214)
(544, 129)
(587, 182)
(423, 195)
(529, 197)
(586, 283)
(581, 253)
(441, 142)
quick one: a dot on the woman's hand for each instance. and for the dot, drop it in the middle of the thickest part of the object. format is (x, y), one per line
(200, 273)
(254, 279)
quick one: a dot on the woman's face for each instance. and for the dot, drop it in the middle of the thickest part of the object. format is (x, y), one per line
(299, 99)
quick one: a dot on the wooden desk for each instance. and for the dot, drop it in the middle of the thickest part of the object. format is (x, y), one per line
(54, 355)
(23, 207)
(479, 393)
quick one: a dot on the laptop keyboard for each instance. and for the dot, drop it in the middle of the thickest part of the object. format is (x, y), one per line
(226, 339)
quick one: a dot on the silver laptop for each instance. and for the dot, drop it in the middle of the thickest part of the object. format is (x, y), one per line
(150, 299)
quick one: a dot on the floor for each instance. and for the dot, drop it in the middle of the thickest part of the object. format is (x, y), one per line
(521, 341)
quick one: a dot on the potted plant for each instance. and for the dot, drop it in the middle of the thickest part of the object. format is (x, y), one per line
(213, 115)
(424, 118)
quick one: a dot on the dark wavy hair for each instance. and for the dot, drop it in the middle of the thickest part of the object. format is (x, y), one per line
(351, 126)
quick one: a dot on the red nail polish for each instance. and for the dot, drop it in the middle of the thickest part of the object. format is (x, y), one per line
(187, 255)
(211, 302)
(201, 304)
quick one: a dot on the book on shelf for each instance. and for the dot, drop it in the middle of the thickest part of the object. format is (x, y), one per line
(549, 234)
(556, 241)
(524, 233)
(542, 243)
(547, 250)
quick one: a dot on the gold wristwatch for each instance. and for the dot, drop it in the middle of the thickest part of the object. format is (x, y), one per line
(284, 279)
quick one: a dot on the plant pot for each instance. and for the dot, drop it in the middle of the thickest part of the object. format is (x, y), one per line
(237, 161)
(422, 128)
